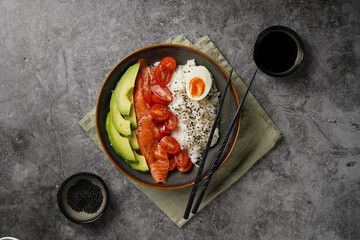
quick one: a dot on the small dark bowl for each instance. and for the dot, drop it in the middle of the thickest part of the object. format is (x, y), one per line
(153, 54)
(81, 217)
(299, 45)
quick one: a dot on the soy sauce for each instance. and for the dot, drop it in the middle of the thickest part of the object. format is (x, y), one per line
(277, 52)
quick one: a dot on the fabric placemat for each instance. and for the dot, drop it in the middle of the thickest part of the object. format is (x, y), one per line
(258, 134)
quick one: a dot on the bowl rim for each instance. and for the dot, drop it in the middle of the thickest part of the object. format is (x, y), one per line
(62, 188)
(97, 116)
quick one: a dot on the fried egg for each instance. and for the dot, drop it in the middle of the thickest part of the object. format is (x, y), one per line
(198, 83)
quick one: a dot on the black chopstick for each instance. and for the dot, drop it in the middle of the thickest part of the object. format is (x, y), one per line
(203, 160)
(217, 159)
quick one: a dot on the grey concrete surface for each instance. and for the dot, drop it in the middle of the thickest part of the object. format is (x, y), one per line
(54, 56)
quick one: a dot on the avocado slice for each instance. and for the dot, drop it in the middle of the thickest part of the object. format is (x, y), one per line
(133, 140)
(121, 125)
(141, 164)
(126, 88)
(132, 117)
(120, 143)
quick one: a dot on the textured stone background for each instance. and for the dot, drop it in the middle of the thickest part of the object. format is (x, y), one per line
(54, 56)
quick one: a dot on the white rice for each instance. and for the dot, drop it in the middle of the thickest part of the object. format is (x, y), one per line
(195, 118)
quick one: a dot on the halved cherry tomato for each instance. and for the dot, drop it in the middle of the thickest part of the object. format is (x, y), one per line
(159, 136)
(186, 168)
(172, 163)
(151, 99)
(171, 122)
(162, 129)
(181, 158)
(162, 75)
(157, 122)
(159, 112)
(170, 145)
(151, 72)
(169, 62)
(156, 100)
(162, 92)
(160, 153)
(162, 132)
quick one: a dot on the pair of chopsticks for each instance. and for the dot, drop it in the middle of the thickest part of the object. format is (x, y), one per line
(218, 156)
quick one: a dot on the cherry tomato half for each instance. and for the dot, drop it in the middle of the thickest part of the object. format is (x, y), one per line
(186, 168)
(157, 122)
(151, 99)
(171, 122)
(156, 100)
(169, 62)
(162, 129)
(162, 132)
(170, 145)
(162, 92)
(159, 112)
(160, 135)
(181, 158)
(151, 72)
(162, 75)
(172, 163)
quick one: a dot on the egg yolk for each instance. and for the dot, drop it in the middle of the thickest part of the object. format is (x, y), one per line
(196, 87)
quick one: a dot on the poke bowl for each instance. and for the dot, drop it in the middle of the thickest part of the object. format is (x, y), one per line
(153, 55)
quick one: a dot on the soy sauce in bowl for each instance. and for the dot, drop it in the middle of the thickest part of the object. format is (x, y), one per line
(278, 51)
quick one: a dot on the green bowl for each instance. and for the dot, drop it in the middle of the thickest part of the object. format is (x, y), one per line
(154, 54)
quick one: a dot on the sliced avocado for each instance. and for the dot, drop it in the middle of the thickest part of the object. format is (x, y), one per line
(132, 117)
(121, 125)
(126, 89)
(120, 143)
(133, 140)
(141, 164)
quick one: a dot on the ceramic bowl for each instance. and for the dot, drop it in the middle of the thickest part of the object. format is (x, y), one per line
(291, 34)
(81, 217)
(154, 54)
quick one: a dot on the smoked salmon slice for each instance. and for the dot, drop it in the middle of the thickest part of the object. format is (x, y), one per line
(159, 170)
(160, 167)
(146, 138)
(141, 88)
(142, 80)
(156, 157)
(141, 107)
(151, 73)
(160, 153)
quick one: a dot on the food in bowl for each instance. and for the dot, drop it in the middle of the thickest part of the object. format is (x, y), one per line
(196, 117)
(170, 111)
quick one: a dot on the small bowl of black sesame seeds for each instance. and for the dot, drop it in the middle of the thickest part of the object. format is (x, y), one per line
(83, 197)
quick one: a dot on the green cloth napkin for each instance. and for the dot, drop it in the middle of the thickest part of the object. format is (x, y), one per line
(258, 134)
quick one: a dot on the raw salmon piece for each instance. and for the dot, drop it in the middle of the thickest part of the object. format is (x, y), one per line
(155, 156)
(159, 170)
(141, 107)
(142, 79)
(143, 63)
(141, 88)
(160, 153)
(146, 139)
(155, 129)
(151, 73)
